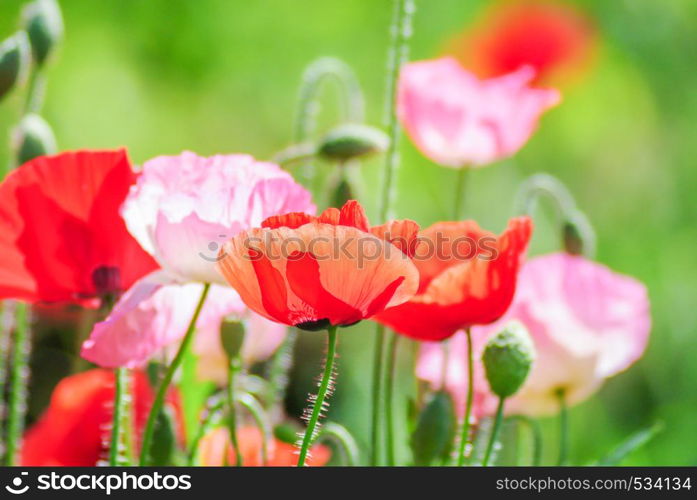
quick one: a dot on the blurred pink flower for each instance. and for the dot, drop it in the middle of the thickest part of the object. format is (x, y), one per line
(155, 314)
(457, 120)
(184, 207)
(429, 367)
(588, 323)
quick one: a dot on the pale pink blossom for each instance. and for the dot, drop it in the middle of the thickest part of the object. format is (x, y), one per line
(155, 313)
(184, 207)
(458, 120)
(588, 324)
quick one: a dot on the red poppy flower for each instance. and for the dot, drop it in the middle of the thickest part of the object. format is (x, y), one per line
(61, 236)
(312, 272)
(468, 277)
(74, 430)
(216, 450)
(554, 38)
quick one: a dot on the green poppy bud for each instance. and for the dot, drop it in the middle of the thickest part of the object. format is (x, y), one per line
(232, 337)
(44, 24)
(33, 138)
(14, 62)
(350, 141)
(578, 237)
(435, 430)
(507, 359)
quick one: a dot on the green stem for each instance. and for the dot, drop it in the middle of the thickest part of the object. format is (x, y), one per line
(209, 420)
(343, 439)
(19, 376)
(120, 409)
(536, 434)
(464, 436)
(234, 369)
(460, 193)
(167, 379)
(375, 454)
(563, 428)
(280, 368)
(494, 432)
(389, 396)
(35, 91)
(319, 401)
(256, 410)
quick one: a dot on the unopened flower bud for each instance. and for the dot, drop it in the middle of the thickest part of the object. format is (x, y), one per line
(350, 141)
(232, 337)
(435, 429)
(44, 24)
(578, 236)
(33, 138)
(14, 62)
(507, 358)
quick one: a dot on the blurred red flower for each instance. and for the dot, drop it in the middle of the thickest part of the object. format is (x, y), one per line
(74, 429)
(555, 38)
(62, 238)
(467, 277)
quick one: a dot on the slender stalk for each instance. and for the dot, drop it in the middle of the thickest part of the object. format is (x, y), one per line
(460, 193)
(280, 367)
(398, 52)
(35, 91)
(563, 428)
(464, 437)
(379, 354)
(389, 396)
(18, 381)
(167, 379)
(494, 432)
(536, 434)
(234, 369)
(118, 419)
(319, 401)
(445, 349)
(344, 440)
(209, 419)
(256, 410)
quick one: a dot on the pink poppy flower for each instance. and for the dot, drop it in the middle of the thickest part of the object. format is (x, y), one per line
(588, 324)
(155, 314)
(184, 207)
(457, 120)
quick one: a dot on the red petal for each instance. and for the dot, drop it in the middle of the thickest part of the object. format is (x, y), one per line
(330, 216)
(401, 233)
(303, 271)
(378, 304)
(274, 296)
(352, 214)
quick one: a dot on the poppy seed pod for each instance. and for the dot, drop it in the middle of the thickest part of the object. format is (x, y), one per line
(14, 61)
(507, 359)
(33, 138)
(350, 141)
(44, 24)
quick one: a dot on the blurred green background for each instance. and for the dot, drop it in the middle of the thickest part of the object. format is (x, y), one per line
(160, 76)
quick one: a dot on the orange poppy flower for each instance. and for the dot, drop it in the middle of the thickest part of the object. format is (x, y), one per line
(215, 449)
(316, 272)
(468, 277)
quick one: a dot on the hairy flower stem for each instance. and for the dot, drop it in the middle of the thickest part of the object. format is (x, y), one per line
(563, 428)
(167, 379)
(19, 377)
(119, 418)
(397, 55)
(494, 432)
(389, 397)
(464, 436)
(234, 369)
(319, 401)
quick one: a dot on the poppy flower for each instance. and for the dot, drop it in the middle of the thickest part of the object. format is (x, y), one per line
(215, 449)
(61, 236)
(155, 314)
(313, 272)
(74, 429)
(184, 207)
(588, 323)
(468, 277)
(458, 120)
(554, 38)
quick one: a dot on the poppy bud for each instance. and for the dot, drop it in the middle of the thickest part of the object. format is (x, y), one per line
(507, 359)
(44, 24)
(578, 237)
(232, 337)
(164, 442)
(33, 138)
(14, 61)
(350, 141)
(433, 437)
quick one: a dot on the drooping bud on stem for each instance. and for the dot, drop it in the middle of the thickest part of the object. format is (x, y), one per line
(44, 24)
(33, 137)
(14, 62)
(350, 141)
